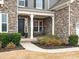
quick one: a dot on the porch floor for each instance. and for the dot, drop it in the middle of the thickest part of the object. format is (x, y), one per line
(27, 39)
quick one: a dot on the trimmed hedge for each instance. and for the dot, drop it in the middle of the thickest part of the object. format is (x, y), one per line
(6, 38)
(73, 40)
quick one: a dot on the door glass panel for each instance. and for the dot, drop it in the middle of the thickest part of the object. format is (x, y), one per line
(38, 25)
(36, 29)
(35, 23)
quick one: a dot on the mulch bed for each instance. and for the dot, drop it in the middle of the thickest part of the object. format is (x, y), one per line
(54, 47)
(6, 49)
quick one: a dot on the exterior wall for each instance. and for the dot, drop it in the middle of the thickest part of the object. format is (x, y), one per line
(62, 22)
(26, 25)
(48, 25)
(10, 7)
(74, 16)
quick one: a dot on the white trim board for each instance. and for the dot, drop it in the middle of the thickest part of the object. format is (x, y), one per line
(35, 13)
(61, 6)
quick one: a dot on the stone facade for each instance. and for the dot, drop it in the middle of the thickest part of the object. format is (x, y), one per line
(74, 16)
(61, 22)
(10, 7)
(48, 25)
(61, 19)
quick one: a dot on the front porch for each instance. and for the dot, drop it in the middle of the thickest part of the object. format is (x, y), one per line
(34, 24)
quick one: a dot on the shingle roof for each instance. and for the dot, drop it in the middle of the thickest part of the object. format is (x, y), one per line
(59, 2)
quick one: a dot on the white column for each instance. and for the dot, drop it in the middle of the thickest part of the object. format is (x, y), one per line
(52, 25)
(31, 23)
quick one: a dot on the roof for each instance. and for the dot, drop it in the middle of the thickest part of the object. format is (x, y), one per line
(59, 3)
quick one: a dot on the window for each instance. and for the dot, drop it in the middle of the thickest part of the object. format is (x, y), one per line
(38, 26)
(23, 3)
(77, 29)
(39, 4)
(3, 22)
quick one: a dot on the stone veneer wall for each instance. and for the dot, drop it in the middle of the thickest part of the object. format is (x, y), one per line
(10, 7)
(48, 25)
(26, 25)
(74, 16)
(62, 22)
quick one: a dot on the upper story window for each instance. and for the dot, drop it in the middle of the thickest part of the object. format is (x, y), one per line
(39, 4)
(22, 3)
(1, 1)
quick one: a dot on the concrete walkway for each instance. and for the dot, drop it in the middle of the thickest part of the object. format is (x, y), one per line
(32, 47)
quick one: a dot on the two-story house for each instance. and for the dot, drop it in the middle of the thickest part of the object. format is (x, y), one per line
(40, 17)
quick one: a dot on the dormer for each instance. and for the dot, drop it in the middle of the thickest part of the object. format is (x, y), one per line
(1, 1)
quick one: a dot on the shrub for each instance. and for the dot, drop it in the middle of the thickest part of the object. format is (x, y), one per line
(0, 44)
(11, 45)
(16, 37)
(50, 40)
(73, 40)
(6, 38)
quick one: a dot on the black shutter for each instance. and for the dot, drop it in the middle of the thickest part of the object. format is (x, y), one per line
(34, 3)
(26, 3)
(43, 4)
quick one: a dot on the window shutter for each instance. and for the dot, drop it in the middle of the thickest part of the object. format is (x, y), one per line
(34, 3)
(26, 3)
(43, 4)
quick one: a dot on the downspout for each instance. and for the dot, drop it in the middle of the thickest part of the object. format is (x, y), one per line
(69, 17)
(17, 15)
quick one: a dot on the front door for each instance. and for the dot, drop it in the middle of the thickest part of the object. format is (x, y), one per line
(21, 26)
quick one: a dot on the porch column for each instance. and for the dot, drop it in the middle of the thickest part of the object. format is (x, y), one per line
(52, 25)
(31, 23)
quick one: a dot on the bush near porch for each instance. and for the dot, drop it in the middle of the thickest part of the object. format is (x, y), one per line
(73, 40)
(55, 42)
(51, 40)
(10, 39)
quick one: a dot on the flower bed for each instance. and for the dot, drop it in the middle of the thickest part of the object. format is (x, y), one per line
(55, 42)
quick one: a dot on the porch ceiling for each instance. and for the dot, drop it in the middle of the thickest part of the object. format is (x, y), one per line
(42, 13)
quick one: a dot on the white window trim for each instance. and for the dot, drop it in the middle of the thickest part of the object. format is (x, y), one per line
(76, 28)
(4, 22)
(20, 5)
